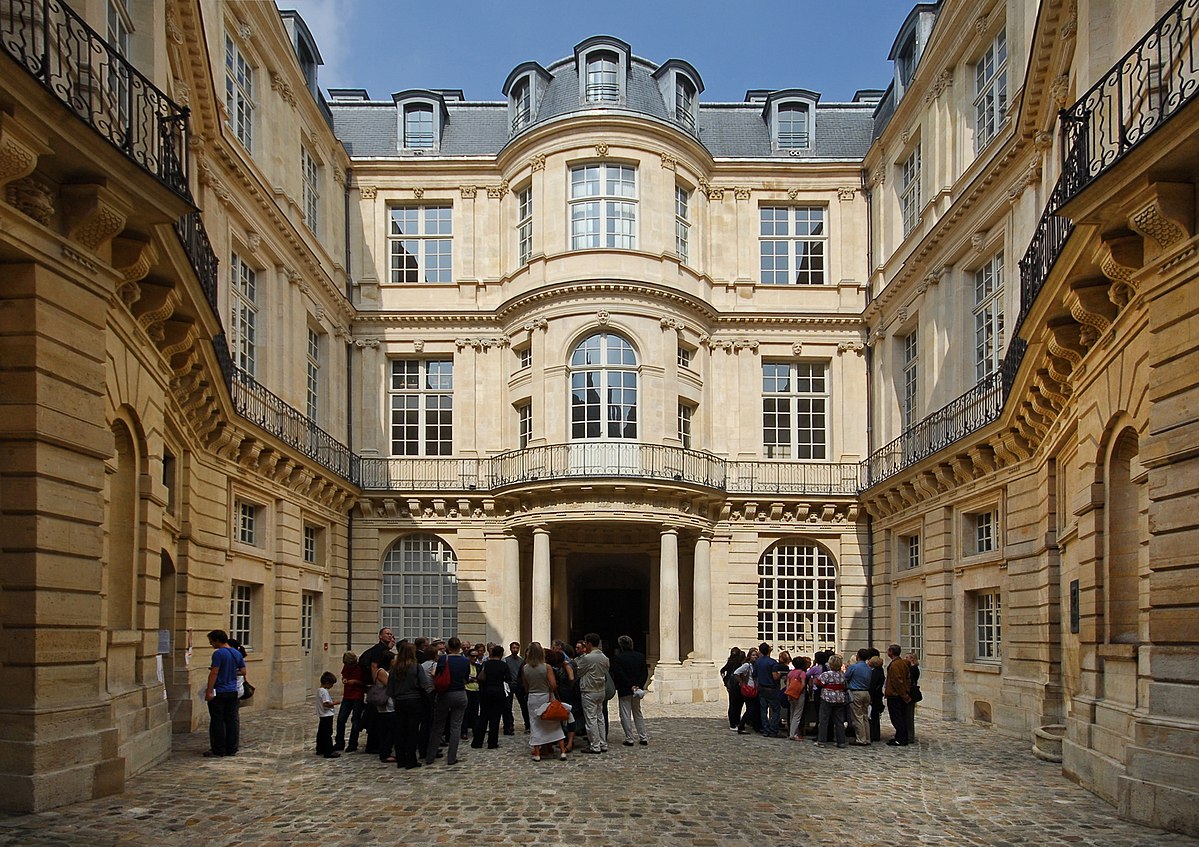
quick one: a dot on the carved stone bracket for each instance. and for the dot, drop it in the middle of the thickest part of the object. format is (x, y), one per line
(1059, 91)
(941, 83)
(854, 346)
(497, 192)
(132, 258)
(367, 192)
(1065, 343)
(846, 193)
(669, 162)
(1120, 257)
(19, 150)
(729, 345)
(741, 193)
(468, 192)
(92, 214)
(33, 197)
(537, 163)
(480, 344)
(715, 193)
(536, 323)
(283, 87)
(671, 323)
(360, 343)
(1089, 305)
(1166, 215)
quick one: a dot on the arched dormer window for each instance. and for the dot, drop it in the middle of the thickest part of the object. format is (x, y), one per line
(603, 389)
(603, 64)
(791, 117)
(680, 86)
(422, 117)
(524, 88)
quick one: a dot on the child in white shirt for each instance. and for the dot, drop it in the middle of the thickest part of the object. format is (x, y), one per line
(324, 710)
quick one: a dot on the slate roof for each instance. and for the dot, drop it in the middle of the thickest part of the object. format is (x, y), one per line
(728, 130)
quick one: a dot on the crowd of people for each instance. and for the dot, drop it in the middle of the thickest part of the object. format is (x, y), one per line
(413, 698)
(416, 700)
(821, 697)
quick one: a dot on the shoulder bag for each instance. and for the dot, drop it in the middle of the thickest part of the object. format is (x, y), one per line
(377, 694)
(441, 682)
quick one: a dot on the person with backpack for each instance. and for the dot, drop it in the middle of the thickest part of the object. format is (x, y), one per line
(449, 682)
(797, 695)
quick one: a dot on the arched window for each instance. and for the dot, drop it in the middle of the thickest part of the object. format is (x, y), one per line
(797, 598)
(418, 126)
(603, 388)
(1127, 530)
(420, 588)
(793, 125)
(603, 82)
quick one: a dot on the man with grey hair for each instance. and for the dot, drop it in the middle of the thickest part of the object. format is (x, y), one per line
(593, 676)
(630, 673)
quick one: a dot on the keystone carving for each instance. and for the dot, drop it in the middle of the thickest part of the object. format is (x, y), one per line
(601, 150)
(796, 348)
(602, 317)
(418, 193)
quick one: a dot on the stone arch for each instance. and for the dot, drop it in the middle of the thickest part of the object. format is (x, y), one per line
(797, 596)
(1125, 535)
(122, 523)
(419, 586)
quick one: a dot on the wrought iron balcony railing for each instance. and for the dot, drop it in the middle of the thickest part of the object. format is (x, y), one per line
(1149, 85)
(194, 237)
(96, 83)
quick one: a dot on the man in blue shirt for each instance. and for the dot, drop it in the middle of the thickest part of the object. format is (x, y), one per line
(767, 673)
(221, 694)
(857, 678)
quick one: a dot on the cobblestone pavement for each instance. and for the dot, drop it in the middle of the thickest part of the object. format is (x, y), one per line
(696, 784)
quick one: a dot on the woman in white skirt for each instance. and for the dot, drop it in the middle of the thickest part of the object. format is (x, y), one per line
(540, 683)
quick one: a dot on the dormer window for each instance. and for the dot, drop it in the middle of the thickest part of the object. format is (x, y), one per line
(680, 87)
(684, 101)
(418, 126)
(603, 68)
(793, 125)
(603, 77)
(522, 109)
(422, 116)
(791, 117)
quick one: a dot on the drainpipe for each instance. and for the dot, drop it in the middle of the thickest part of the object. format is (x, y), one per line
(869, 552)
(349, 420)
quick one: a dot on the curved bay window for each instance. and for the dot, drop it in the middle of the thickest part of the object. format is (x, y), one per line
(420, 588)
(797, 598)
(603, 389)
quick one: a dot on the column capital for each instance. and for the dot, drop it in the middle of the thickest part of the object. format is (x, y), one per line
(541, 530)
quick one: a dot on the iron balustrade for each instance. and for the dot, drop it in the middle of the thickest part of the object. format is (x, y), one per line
(194, 237)
(1146, 87)
(96, 83)
(842, 479)
(260, 406)
(628, 460)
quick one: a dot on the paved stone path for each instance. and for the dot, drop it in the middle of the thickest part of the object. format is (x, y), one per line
(696, 784)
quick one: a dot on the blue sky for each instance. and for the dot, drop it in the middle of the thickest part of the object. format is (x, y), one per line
(831, 46)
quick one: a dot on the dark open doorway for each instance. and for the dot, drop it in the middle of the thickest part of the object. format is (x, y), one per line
(610, 597)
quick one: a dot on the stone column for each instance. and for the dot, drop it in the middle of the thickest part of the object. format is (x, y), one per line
(509, 621)
(542, 596)
(701, 600)
(668, 598)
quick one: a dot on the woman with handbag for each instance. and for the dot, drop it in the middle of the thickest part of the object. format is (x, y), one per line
(564, 677)
(406, 686)
(540, 682)
(378, 697)
(749, 694)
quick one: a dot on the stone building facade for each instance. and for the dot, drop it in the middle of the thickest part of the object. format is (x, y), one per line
(599, 355)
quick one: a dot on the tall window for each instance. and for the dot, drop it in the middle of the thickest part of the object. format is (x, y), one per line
(307, 615)
(603, 83)
(682, 223)
(686, 411)
(420, 588)
(911, 626)
(314, 376)
(524, 224)
(909, 551)
(312, 189)
(421, 244)
(793, 125)
(684, 101)
(792, 243)
(245, 314)
(988, 627)
(988, 317)
(239, 93)
(684, 356)
(603, 388)
(795, 410)
(119, 30)
(418, 126)
(911, 378)
(522, 109)
(982, 528)
(241, 614)
(909, 191)
(310, 542)
(524, 357)
(990, 85)
(422, 407)
(603, 206)
(797, 598)
(524, 425)
(247, 523)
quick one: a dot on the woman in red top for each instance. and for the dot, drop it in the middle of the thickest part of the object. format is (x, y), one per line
(353, 681)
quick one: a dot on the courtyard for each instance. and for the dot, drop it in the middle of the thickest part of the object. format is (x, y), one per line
(696, 784)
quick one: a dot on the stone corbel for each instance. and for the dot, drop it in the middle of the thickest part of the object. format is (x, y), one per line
(963, 469)
(846, 193)
(1165, 214)
(1120, 257)
(537, 163)
(19, 150)
(750, 344)
(247, 455)
(669, 162)
(1055, 391)
(1059, 91)
(536, 323)
(92, 214)
(156, 305)
(741, 193)
(283, 87)
(1065, 343)
(854, 346)
(715, 193)
(367, 192)
(1089, 305)
(671, 323)
(132, 258)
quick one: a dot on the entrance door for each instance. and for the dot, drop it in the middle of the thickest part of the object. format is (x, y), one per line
(610, 596)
